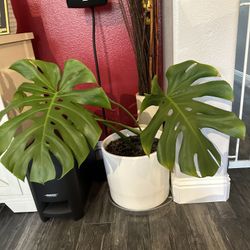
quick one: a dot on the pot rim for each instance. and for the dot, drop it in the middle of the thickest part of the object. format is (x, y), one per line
(126, 157)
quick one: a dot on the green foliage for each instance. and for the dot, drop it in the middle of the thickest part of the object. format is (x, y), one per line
(182, 114)
(58, 123)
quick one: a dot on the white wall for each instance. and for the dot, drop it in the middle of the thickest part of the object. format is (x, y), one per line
(205, 31)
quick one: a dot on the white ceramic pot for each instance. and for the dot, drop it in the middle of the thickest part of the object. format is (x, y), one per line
(146, 116)
(136, 183)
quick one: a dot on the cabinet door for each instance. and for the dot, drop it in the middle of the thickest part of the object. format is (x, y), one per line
(9, 184)
(15, 193)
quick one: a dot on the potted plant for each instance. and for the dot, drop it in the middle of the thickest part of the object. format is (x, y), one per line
(61, 127)
(57, 132)
(140, 182)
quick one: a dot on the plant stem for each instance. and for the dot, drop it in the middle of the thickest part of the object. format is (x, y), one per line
(125, 110)
(133, 130)
(115, 130)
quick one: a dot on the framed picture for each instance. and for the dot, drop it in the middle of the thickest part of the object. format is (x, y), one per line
(4, 19)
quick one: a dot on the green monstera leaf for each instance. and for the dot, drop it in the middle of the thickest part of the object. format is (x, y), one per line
(57, 122)
(183, 116)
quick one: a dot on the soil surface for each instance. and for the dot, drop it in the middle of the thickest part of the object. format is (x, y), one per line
(131, 146)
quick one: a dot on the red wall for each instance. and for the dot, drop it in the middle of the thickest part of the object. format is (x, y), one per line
(62, 33)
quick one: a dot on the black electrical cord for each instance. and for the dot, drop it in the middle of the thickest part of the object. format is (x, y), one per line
(96, 61)
(94, 46)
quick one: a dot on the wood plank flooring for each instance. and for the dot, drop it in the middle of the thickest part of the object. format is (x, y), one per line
(211, 226)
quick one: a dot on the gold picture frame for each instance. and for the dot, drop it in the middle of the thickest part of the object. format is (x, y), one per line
(4, 18)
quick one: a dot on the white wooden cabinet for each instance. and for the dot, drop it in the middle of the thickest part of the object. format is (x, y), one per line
(8, 184)
(13, 192)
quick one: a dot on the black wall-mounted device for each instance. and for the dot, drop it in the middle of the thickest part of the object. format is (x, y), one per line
(85, 3)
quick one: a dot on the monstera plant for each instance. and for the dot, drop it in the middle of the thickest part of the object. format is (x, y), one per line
(182, 114)
(138, 182)
(58, 123)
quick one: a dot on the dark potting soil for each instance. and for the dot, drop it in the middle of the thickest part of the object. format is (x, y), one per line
(131, 146)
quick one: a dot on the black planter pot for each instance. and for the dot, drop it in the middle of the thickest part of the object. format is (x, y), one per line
(95, 166)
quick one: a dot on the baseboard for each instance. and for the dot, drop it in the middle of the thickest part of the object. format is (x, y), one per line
(239, 164)
(238, 77)
(21, 204)
(200, 190)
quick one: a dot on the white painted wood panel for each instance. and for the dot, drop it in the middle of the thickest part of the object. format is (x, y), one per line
(204, 31)
(13, 192)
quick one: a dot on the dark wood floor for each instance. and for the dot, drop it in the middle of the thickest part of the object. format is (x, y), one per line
(197, 226)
